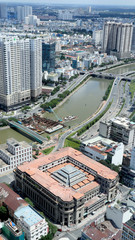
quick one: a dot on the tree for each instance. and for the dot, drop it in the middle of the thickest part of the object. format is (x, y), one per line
(29, 201)
(3, 213)
(37, 152)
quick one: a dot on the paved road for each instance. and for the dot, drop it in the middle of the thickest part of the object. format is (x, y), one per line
(114, 95)
(7, 178)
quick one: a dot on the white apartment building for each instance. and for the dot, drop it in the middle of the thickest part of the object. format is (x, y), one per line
(14, 72)
(3, 10)
(65, 15)
(117, 38)
(32, 223)
(22, 12)
(98, 37)
(36, 67)
(14, 153)
(118, 214)
(20, 71)
(100, 148)
(32, 20)
(119, 129)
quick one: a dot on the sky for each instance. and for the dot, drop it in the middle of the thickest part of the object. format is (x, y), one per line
(89, 2)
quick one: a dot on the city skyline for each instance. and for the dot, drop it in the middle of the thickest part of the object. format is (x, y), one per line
(85, 2)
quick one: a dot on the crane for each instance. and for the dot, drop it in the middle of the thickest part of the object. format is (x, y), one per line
(59, 119)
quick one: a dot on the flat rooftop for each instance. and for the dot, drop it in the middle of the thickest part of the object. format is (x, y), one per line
(104, 230)
(29, 215)
(99, 139)
(122, 121)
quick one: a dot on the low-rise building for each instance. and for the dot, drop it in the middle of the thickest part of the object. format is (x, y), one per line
(53, 77)
(32, 223)
(13, 153)
(67, 185)
(119, 129)
(11, 200)
(119, 214)
(100, 148)
(104, 230)
(11, 231)
(25, 217)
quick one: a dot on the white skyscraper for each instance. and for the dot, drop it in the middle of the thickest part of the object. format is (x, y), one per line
(36, 67)
(22, 12)
(20, 71)
(14, 72)
(3, 10)
(117, 38)
(98, 36)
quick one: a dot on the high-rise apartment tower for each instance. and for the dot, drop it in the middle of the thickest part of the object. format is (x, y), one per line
(117, 39)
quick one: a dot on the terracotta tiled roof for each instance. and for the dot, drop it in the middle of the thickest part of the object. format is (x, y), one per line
(12, 200)
(56, 188)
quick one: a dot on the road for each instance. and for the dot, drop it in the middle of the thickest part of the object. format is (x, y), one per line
(114, 96)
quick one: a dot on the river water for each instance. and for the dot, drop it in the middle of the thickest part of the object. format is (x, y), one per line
(81, 104)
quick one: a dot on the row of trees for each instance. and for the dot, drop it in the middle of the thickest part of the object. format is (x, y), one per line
(108, 91)
(55, 101)
(55, 90)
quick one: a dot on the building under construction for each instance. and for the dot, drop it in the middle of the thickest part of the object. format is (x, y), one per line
(41, 125)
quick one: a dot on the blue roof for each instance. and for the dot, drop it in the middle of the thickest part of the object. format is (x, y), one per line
(30, 215)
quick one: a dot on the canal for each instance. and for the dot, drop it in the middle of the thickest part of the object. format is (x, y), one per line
(122, 69)
(81, 104)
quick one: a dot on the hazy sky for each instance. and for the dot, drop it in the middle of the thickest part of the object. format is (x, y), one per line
(90, 2)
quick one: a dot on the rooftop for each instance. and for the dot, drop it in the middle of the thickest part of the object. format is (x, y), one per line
(104, 230)
(80, 180)
(69, 175)
(29, 215)
(10, 198)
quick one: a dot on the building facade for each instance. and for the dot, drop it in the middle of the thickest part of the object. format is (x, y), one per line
(103, 149)
(128, 231)
(20, 71)
(36, 67)
(3, 10)
(15, 73)
(118, 129)
(67, 186)
(24, 216)
(48, 56)
(117, 39)
(32, 223)
(22, 12)
(14, 153)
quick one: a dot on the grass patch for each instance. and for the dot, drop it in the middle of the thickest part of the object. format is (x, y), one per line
(48, 150)
(132, 88)
(72, 143)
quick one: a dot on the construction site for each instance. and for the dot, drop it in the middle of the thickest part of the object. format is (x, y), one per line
(41, 125)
